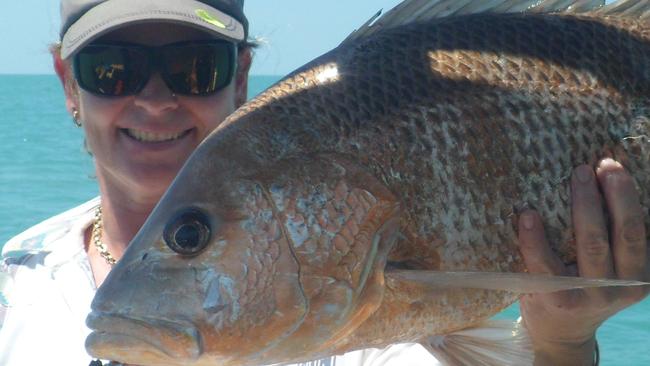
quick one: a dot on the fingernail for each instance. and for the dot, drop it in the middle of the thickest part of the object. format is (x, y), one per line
(609, 161)
(584, 173)
(527, 220)
(610, 167)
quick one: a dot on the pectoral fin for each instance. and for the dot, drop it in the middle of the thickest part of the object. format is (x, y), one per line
(522, 283)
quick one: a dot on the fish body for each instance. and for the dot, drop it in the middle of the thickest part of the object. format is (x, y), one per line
(410, 147)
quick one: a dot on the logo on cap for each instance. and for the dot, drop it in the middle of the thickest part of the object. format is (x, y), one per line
(209, 18)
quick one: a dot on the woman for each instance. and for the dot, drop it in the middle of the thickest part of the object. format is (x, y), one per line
(141, 126)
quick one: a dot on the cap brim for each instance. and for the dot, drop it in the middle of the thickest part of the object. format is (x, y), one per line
(113, 14)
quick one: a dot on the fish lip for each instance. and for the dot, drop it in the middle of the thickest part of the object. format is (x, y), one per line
(172, 339)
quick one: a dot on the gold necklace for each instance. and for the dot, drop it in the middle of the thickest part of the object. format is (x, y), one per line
(97, 237)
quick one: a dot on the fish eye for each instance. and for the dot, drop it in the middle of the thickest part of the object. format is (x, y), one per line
(188, 233)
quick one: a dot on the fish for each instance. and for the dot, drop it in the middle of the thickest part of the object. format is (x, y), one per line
(371, 197)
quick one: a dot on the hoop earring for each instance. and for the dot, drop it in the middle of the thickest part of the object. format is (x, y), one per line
(75, 117)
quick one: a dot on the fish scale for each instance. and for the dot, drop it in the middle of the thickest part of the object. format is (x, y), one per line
(341, 212)
(592, 104)
(412, 146)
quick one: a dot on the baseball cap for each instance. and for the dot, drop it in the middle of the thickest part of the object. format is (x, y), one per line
(84, 20)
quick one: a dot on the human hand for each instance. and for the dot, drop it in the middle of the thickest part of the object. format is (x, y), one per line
(562, 325)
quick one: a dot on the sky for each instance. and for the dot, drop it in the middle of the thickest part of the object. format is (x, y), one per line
(293, 31)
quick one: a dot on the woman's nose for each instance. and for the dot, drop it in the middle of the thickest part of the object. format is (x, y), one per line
(156, 97)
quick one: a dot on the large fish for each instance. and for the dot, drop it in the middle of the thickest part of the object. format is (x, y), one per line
(331, 212)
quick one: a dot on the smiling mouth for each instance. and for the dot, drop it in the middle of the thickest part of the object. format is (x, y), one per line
(153, 137)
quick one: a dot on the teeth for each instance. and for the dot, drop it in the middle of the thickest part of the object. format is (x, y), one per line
(153, 137)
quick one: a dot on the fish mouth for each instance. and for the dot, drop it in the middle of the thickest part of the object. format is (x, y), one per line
(119, 337)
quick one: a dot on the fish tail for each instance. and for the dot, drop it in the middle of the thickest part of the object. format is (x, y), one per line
(491, 343)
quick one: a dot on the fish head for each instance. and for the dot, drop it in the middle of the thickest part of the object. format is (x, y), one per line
(223, 273)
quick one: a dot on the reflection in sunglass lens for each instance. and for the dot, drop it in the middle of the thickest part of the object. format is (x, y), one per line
(111, 70)
(188, 68)
(198, 69)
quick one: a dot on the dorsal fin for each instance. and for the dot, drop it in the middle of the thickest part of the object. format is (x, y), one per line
(410, 11)
(627, 8)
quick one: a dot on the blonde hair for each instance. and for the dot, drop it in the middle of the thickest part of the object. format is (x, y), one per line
(69, 84)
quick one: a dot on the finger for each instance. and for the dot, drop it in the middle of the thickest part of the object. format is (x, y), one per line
(537, 253)
(628, 227)
(592, 239)
(539, 258)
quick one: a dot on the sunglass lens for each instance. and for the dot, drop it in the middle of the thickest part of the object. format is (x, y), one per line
(111, 70)
(198, 69)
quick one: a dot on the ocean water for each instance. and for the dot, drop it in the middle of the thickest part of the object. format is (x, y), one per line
(45, 170)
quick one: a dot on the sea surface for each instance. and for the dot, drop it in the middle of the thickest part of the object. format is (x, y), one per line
(44, 170)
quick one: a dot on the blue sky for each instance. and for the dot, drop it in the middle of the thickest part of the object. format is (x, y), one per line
(294, 31)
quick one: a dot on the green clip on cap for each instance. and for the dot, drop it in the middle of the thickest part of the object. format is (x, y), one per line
(84, 20)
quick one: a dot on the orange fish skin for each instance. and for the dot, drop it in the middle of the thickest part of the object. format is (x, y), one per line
(468, 122)
(412, 148)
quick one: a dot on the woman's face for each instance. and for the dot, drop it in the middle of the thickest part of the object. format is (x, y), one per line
(140, 142)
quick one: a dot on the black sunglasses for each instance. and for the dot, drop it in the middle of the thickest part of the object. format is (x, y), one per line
(195, 68)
